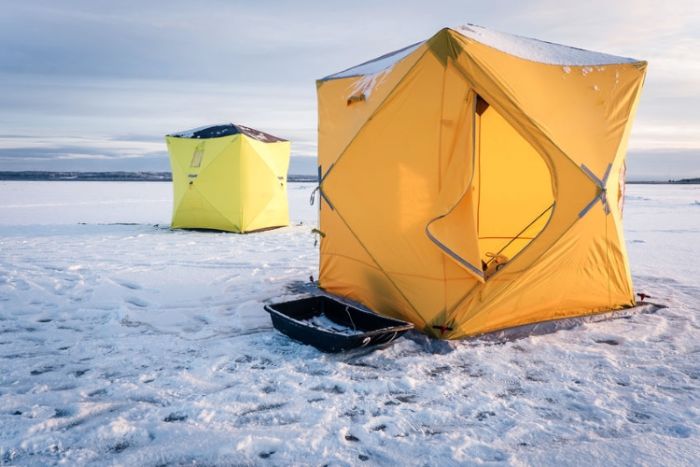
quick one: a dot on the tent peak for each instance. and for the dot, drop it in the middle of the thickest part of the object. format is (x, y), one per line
(537, 50)
(226, 129)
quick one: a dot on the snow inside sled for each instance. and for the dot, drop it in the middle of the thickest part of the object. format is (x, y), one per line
(333, 326)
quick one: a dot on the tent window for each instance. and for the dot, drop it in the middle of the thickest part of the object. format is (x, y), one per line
(513, 188)
(197, 156)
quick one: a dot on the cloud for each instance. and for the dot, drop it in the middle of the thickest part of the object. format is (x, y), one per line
(117, 76)
(19, 152)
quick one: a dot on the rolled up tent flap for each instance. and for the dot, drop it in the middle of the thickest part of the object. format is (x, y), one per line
(455, 234)
(454, 229)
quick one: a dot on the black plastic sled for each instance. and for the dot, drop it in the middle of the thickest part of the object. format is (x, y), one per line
(333, 326)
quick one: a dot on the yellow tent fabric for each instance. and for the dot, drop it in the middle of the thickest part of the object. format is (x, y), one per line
(229, 177)
(471, 182)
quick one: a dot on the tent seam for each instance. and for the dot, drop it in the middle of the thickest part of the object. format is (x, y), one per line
(202, 169)
(380, 267)
(272, 198)
(376, 110)
(395, 273)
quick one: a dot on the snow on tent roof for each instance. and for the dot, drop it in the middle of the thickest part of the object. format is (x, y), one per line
(524, 47)
(227, 129)
(536, 50)
(376, 65)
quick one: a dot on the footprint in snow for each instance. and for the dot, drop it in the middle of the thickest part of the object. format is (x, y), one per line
(137, 302)
(128, 284)
(481, 416)
(119, 447)
(679, 431)
(437, 371)
(44, 369)
(62, 413)
(608, 341)
(335, 389)
(406, 398)
(201, 319)
(638, 417)
(175, 417)
(97, 392)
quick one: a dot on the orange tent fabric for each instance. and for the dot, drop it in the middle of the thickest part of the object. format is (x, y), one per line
(472, 182)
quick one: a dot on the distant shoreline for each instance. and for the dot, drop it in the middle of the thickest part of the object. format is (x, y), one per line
(682, 181)
(48, 176)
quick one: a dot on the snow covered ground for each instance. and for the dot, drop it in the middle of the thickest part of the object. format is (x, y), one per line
(122, 342)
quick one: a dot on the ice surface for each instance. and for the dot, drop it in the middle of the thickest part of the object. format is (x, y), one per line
(537, 50)
(136, 345)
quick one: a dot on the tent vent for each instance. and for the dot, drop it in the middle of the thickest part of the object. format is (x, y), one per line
(197, 156)
(356, 98)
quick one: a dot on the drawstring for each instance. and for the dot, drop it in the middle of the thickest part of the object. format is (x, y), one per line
(317, 233)
(312, 199)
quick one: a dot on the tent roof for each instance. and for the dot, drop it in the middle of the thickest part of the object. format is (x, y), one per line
(376, 65)
(526, 48)
(538, 51)
(226, 129)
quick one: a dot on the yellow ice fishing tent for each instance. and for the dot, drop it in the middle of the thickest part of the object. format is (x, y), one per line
(228, 177)
(473, 182)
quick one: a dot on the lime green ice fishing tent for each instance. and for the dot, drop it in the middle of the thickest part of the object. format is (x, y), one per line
(228, 177)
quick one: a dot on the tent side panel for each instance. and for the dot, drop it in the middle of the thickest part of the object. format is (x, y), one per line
(345, 104)
(585, 113)
(576, 277)
(615, 198)
(583, 109)
(264, 184)
(572, 189)
(208, 189)
(347, 270)
(384, 188)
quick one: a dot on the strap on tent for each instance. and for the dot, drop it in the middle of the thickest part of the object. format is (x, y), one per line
(602, 187)
(319, 188)
(441, 229)
(451, 253)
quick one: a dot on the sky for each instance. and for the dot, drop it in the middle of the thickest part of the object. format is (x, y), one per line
(95, 85)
